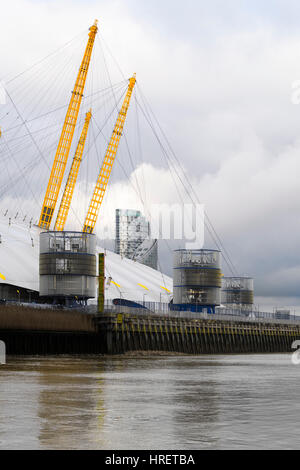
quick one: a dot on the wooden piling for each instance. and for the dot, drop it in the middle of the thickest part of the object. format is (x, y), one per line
(155, 333)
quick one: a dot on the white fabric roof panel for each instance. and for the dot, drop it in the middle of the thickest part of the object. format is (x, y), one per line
(19, 265)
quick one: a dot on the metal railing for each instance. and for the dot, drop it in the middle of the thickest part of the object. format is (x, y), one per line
(234, 314)
(222, 313)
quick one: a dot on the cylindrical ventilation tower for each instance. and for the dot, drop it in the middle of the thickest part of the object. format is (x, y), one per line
(237, 291)
(197, 280)
(68, 266)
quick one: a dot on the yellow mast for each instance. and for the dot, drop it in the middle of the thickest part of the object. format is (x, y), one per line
(66, 137)
(109, 158)
(72, 178)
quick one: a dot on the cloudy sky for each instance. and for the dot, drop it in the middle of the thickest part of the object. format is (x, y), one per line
(219, 77)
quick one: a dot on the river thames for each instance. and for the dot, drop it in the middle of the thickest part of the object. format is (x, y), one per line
(150, 402)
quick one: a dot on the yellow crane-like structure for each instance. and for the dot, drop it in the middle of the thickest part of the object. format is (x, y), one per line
(66, 137)
(72, 177)
(108, 161)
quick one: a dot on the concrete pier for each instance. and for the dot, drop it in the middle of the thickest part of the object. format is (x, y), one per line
(32, 331)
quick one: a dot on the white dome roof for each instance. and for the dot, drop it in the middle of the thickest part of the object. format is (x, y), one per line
(19, 265)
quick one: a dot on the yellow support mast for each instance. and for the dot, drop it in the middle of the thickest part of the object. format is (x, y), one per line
(66, 137)
(72, 178)
(109, 158)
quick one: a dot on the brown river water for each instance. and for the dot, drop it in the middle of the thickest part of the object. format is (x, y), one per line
(150, 402)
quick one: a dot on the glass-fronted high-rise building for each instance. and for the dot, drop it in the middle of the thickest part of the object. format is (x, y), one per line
(133, 238)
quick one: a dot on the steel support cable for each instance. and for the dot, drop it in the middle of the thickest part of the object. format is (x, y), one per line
(46, 57)
(233, 269)
(100, 129)
(138, 195)
(138, 192)
(35, 144)
(9, 185)
(58, 78)
(28, 131)
(106, 169)
(51, 75)
(178, 192)
(100, 37)
(59, 108)
(87, 166)
(36, 132)
(22, 147)
(19, 116)
(99, 164)
(118, 162)
(90, 164)
(96, 110)
(195, 195)
(4, 115)
(188, 193)
(10, 178)
(24, 88)
(123, 133)
(25, 169)
(139, 148)
(36, 117)
(93, 144)
(106, 67)
(84, 157)
(33, 162)
(38, 76)
(144, 254)
(133, 167)
(21, 172)
(163, 150)
(170, 167)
